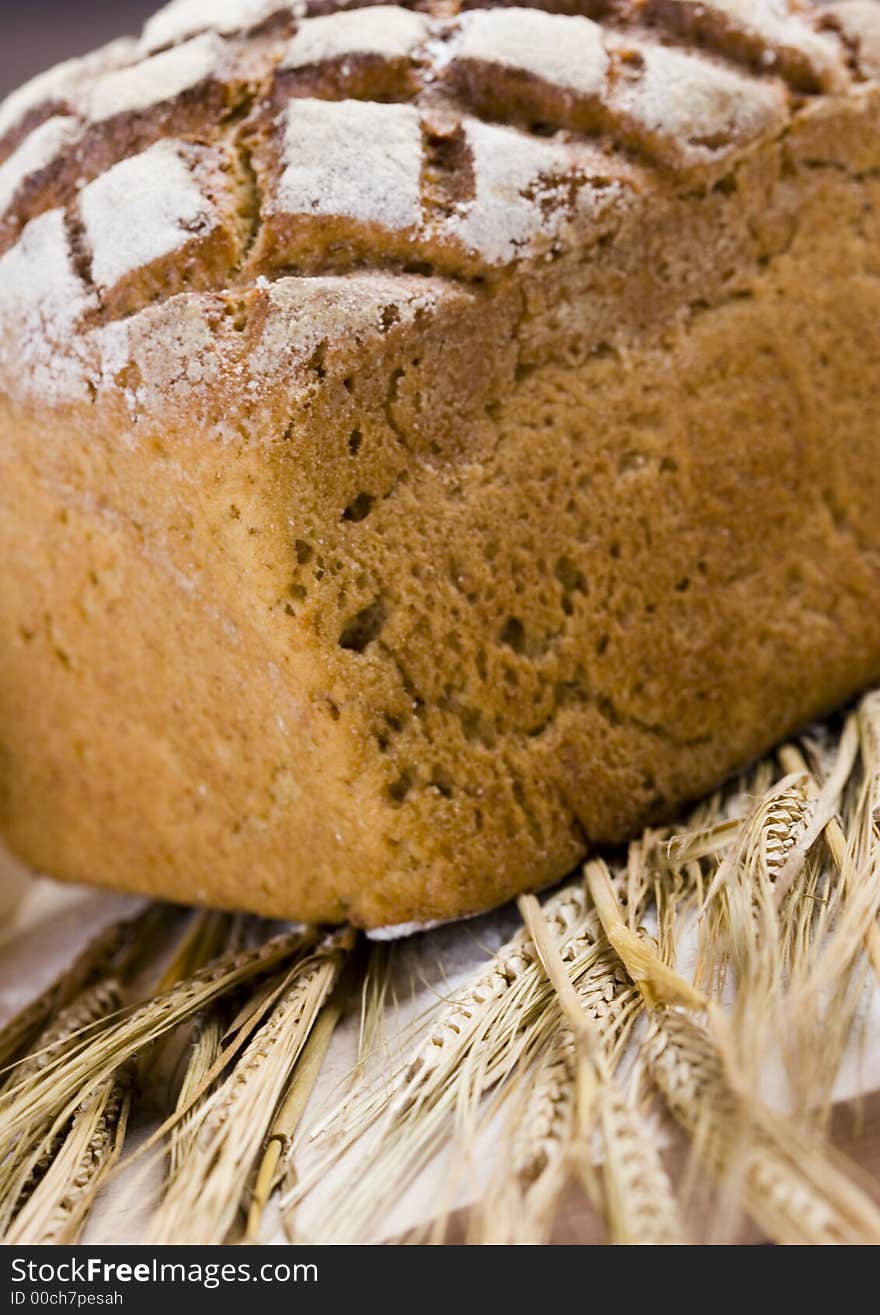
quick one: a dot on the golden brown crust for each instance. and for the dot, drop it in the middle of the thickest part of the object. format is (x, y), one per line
(432, 441)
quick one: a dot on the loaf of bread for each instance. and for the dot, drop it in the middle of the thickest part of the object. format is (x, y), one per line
(433, 440)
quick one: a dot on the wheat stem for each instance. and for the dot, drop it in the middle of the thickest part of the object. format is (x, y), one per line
(639, 1201)
(656, 980)
(51, 1096)
(204, 1197)
(279, 1143)
(57, 1209)
(793, 1190)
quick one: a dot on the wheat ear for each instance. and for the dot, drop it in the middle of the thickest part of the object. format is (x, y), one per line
(867, 848)
(483, 1037)
(31, 1178)
(50, 1096)
(28, 1162)
(21, 1032)
(829, 930)
(521, 1203)
(792, 1186)
(471, 1043)
(208, 935)
(794, 1190)
(57, 1209)
(277, 1165)
(639, 1201)
(206, 1194)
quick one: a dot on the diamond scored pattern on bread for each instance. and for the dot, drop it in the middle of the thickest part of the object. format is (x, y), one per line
(435, 438)
(362, 123)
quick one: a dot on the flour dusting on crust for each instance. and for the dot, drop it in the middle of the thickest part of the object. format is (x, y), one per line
(64, 82)
(504, 216)
(141, 210)
(566, 51)
(186, 18)
(373, 139)
(42, 295)
(44, 145)
(381, 30)
(160, 78)
(354, 159)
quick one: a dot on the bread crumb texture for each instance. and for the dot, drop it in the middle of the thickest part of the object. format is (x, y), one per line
(434, 438)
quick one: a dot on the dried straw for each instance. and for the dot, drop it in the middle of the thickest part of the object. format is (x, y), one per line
(57, 1209)
(795, 1189)
(639, 1201)
(233, 1123)
(48, 1097)
(112, 943)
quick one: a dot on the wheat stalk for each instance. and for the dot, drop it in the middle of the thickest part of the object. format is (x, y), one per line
(56, 1166)
(830, 933)
(483, 1036)
(654, 978)
(471, 1044)
(869, 801)
(462, 1021)
(205, 1045)
(29, 1160)
(453, 1031)
(744, 928)
(857, 855)
(791, 1187)
(206, 1192)
(119, 951)
(638, 1198)
(21, 1032)
(93, 1003)
(825, 806)
(209, 934)
(775, 914)
(276, 1166)
(520, 1202)
(56, 1210)
(48, 1098)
